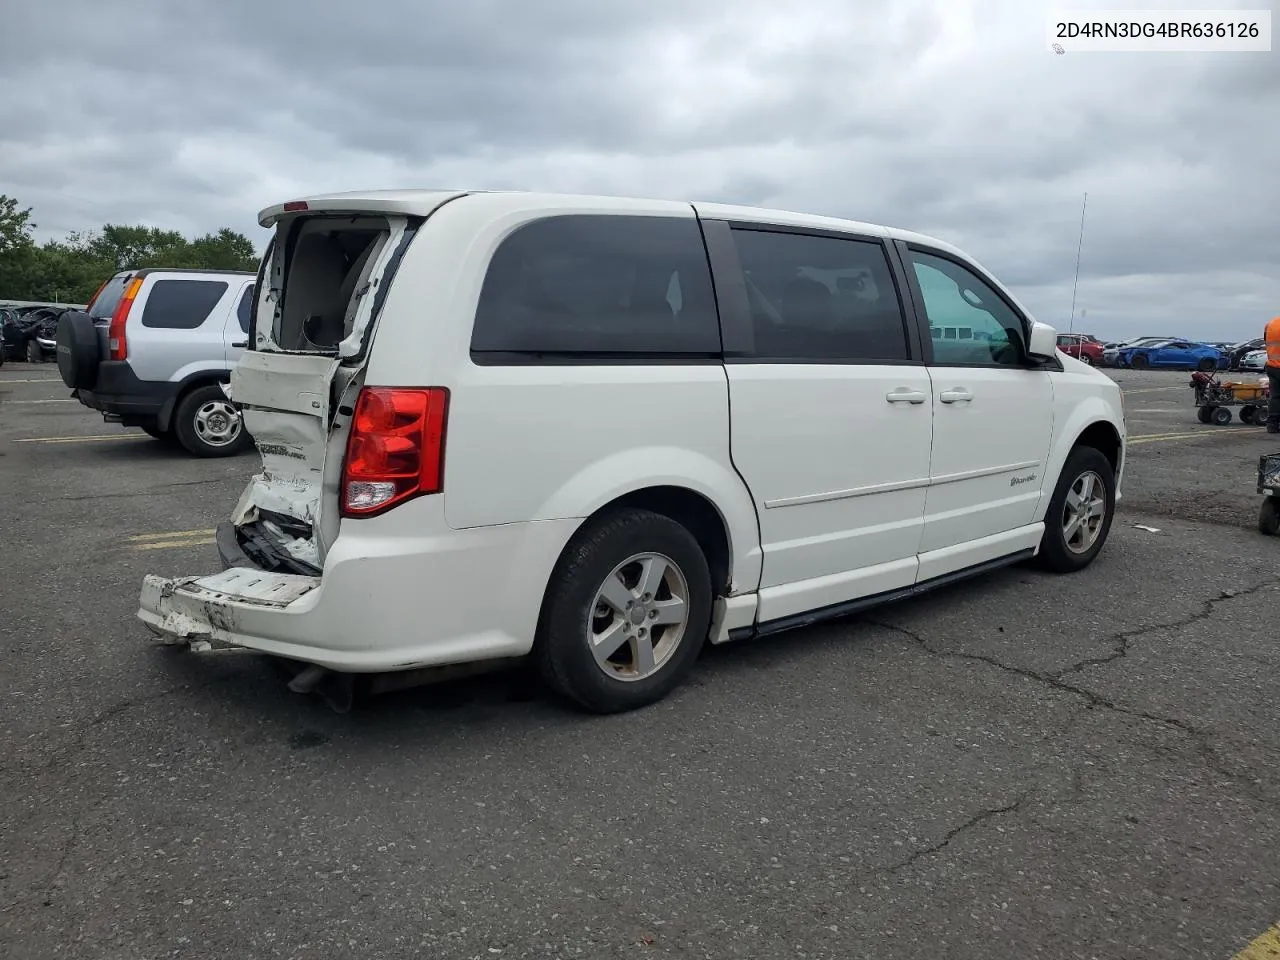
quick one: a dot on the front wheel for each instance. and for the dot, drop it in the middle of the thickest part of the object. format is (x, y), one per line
(1206, 364)
(34, 353)
(1222, 416)
(207, 424)
(1086, 359)
(626, 613)
(1139, 361)
(1247, 413)
(1080, 512)
(1205, 414)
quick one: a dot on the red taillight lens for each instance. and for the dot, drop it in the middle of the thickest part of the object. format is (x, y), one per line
(396, 448)
(117, 344)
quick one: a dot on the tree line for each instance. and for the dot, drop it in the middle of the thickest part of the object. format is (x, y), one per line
(71, 269)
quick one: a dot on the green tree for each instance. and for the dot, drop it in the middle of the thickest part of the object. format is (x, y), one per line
(71, 269)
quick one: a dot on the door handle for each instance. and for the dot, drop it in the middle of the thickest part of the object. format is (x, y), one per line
(905, 395)
(240, 343)
(958, 395)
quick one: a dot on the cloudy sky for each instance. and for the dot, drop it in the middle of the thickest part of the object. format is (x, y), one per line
(945, 116)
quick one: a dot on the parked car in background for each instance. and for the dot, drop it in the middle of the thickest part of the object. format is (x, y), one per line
(1237, 353)
(154, 349)
(645, 365)
(1111, 351)
(1082, 347)
(1172, 355)
(1253, 360)
(29, 333)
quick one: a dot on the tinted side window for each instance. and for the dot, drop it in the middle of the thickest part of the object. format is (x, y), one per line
(181, 304)
(599, 284)
(244, 308)
(987, 331)
(820, 298)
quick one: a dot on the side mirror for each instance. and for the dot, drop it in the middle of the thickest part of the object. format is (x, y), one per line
(1044, 341)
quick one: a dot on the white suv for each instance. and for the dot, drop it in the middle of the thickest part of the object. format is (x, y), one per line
(601, 431)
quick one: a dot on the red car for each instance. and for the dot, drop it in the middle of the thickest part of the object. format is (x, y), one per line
(1082, 347)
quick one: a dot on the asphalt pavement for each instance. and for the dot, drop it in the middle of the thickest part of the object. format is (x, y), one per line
(1021, 766)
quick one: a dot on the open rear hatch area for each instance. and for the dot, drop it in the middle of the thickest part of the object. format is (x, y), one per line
(320, 288)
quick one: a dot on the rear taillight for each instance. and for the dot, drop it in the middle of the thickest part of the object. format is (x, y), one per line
(396, 448)
(117, 344)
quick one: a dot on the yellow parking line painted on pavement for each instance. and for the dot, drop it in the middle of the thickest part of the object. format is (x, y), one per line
(173, 544)
(1264, 947)
(171, 534)
(109, 436)
(1218, 431)
(1130, 393)
(67, 400)
(44, 380)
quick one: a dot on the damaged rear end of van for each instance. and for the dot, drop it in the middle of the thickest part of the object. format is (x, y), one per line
(314, 540)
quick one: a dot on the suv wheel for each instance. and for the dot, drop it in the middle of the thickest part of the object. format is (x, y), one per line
(34, 353)
(1079, 516)
(207, 424)
(626, 613)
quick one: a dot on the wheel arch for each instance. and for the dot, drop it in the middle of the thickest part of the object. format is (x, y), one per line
(1093, 423)
(191, 381)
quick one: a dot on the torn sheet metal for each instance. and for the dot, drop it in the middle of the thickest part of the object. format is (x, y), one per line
(203, 610)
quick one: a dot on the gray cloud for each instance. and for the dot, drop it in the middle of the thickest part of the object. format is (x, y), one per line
(944, 116)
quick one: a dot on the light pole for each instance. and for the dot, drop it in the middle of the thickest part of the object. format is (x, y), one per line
(1079, 247)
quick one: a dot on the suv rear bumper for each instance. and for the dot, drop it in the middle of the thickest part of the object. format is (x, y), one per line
(118, 393)
(384, 602)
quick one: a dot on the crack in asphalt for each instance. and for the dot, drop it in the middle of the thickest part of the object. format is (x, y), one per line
(976, 820)
(146, 491)
(1120, 649)
(44, 890)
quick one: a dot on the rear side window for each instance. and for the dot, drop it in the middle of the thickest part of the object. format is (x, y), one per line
(244, 309)
(818, 298)
(104, 304)
(181, 304)
(599, 285)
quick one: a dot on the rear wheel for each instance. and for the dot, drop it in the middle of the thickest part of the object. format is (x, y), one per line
(1085, 358)
(1205, 414)
(626, 612)
(34, 353)
(1139, 361)
(1079, 516)
(207, 424)
(1222, 416)
(1206, 364)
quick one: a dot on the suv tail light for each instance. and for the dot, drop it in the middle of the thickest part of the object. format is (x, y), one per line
(396, 448)
(117, 344)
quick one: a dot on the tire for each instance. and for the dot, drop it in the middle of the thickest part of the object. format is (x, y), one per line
(616, 549)
(1247, 413)
(201, 425)
(1057, 555)
(1138, 361)
(77, 350)
(1221, 416)
(34, 353)
(1205, 414)
(1207, 364)
(1269, 517)
(1086, 359)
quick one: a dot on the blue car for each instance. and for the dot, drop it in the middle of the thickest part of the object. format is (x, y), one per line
(1172, 355)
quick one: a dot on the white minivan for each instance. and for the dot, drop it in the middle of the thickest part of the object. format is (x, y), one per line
(602, 431)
